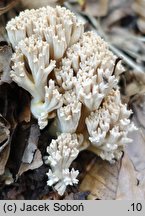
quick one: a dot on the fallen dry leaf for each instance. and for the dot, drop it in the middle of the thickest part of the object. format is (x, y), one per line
(136, 149)
(101, 180)
(32, 144)
(32, 157)
(18, 144)
(36, 163)
(127, 183)
(141, 182)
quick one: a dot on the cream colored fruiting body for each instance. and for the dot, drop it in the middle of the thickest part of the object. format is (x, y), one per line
(108, 127)
(72, 77)
(62, 152)
(40, 38)
(88, 70)
(58, 26)
(32, 65)
(69, 114)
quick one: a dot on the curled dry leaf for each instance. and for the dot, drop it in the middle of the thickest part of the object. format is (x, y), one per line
(5, 58)
(101, 180)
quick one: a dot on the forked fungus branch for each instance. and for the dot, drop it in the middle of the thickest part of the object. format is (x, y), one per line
(72, 77)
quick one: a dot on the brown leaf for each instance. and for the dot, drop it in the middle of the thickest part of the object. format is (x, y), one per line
(32, 144)
(101, 180)
(136, 149)
(36, 163)
(18, 144)
(30, 156)
(141, 182)
(127, 183)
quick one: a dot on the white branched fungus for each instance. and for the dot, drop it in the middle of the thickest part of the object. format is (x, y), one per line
(89, 68)
(69, 114)
(62, 152)
(108, 127)
(31, 68)
(72, 77)
(58, 26)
